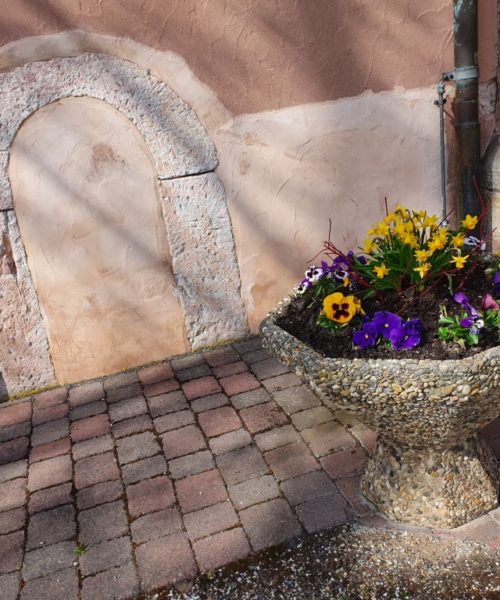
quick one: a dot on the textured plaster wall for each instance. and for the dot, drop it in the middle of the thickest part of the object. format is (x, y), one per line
(266, 54)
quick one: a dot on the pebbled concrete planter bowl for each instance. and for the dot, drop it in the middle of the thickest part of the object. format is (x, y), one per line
(430, 466)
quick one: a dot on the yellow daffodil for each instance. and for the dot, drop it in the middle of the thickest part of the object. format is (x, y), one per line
(423, 269)
(436, 243)
(399, 229)
(340, 308)
(359, 308)
(372, 230)
(382, 229)
(370, 246)
(459, 261)
(391, 217)
(458, 240)
(422, 255)
(469, 222)
(404, 212)
(381, 271)
(430, 221)
(411, 240)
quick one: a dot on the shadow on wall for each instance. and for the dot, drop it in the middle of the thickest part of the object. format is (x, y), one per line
(4, 395)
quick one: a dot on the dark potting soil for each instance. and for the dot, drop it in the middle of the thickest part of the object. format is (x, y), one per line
(301, 315)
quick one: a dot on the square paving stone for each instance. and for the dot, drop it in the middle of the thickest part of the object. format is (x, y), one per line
(230, 441)
(155, 525)
(191, 464)
(91, 447)
(134, 425)
(167, 403)
(231, 369)
(209, 402)
(242, 464)
(12, 494)
(87, 392)
(90, 427)
(221, 356)
(155, 373)
(150, 495)
(126, 409)
(218, 421)
(345, 463)
(210, 520)
(9, 586)
(17, 412)
(161, 387)
(174, 420)
(51, 413)
(51, 526)
(205, 386)
(94, 469)
(291, 460)
(309, 486)
(221, 549)
(50, 450)
(277, 437)
(165, 561)
(48, 432)
(137, 446)
(295, 399)
(327, 438)
(263, 416)
(269, 367)
(45, 561)
(50, 498)
(324, 512)
(200, 490)
(14, 450)
(182, 441)
(269, 523)
(247, 399)
(120, 583)
(61, 585)
(13, 470)
(350, 488)
(365, 436)
(12, 520)
(311, 417)
(100, 493)
(47, 473)
(257, 490)
(193, 373)
(124, 392)
(143, 469)
(237, 384)
(102, 523)
(281, 382)
(11, 552)
(106, 555)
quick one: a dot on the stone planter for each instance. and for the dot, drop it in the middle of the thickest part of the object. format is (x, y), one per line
(430, 466)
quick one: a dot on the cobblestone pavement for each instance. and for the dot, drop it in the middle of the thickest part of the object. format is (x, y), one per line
(122, 486)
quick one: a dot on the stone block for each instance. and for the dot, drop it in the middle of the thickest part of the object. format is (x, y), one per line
(9, 585)
(47, 473)
(88, 410)
(91, 447)
(281, 382)
(106, 555)
(50, 498)
(237, 384)
(291, 460)
(150, 495)
(101, 523)
(51, 526)
(13, 470)
(269, 367)
(87, 392)
(101, 493)
(61, 585)
(125, 392)
(221, 356)
(89, 428)
(50, 450)
(12, 520)
(345, 463)
(11, 552)
(277, 437)
(311, 417)
(174, 420)
(254, 491)
(197, 388)
(218, 421)
(44, 561)
(209, 402)
(135, 447)
(269, 524)
(307, 487)
(43, 415)
(127, 408)
(230, 369)
(221, 549)
(182, 441)
(210, 520)
(324, 512)
(161, 387)
(230, 441)
(167, 403)
(296, 399)
(95, 469)
(14, 450)
(143, 469)
(134, 425)
(200, 490)
(191, 464)
(263, 416)
(155, 373)
(327, 438)
(119, 583)
(155, 525)
(12, 494)
(247, 399)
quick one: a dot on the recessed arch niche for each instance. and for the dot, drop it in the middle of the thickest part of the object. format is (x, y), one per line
(121, 217)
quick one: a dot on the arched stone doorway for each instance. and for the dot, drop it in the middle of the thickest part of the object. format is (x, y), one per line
(197, 286)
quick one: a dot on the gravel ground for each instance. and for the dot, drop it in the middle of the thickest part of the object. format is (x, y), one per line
(355, 562)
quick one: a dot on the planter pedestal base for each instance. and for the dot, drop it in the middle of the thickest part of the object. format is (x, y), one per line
(442, 488)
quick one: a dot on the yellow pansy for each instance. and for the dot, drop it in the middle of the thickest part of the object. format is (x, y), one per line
(469, 222)
(459, 261)
(423, 269)
(381, 271)
(340, 308)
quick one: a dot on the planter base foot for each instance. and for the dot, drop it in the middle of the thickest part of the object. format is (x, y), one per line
(442, 488)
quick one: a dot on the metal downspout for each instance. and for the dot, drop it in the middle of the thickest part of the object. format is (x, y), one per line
(466, 77)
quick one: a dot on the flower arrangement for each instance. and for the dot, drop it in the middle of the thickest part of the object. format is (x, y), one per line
(408, 259)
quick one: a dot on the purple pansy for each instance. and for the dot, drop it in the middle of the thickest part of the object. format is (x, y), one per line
(304, 285)
(407, 335)
(314, 273)
(496, 284)
(461, 298)
(366, 336)
(385, 322)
